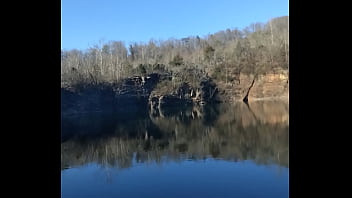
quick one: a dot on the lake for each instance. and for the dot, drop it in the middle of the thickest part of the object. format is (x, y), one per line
(224, 150)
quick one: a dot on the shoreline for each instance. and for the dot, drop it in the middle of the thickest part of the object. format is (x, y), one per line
(73, 112)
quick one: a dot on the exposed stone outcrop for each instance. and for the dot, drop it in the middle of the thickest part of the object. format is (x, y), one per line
(156, 91)
(184, 95)
(89, 99)
(127, 95)
(270, 85)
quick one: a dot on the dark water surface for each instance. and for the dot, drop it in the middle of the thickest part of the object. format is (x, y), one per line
(211, 151)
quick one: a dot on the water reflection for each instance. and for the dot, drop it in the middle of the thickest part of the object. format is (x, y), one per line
(258, 132)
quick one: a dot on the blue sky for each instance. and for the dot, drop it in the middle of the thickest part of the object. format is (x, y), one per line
(86, 22)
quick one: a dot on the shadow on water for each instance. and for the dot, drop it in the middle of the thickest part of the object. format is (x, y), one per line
(258, 132)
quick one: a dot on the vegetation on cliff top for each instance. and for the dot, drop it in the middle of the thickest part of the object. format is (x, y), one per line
(258, 48)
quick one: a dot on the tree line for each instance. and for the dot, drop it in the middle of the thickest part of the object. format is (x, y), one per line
(256, 49)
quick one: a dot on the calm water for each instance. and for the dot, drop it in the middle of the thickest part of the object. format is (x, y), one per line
(212, 151)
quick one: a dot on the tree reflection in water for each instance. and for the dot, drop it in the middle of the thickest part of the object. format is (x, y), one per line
(258, 132)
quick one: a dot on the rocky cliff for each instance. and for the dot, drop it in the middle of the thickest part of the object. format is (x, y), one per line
(273, 85)
(183, 94)
(156, 91)
(127, 95)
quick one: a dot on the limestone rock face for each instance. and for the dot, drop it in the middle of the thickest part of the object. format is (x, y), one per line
(127, 95)
(159, 90)
(184, 95)
(269, 85)
(274, 84)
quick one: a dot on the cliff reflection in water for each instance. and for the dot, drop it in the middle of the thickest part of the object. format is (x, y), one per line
(258, 132)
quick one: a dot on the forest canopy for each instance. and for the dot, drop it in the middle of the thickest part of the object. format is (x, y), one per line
(258, 48)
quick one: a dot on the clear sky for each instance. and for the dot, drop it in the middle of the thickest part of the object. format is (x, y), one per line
(86, 22)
